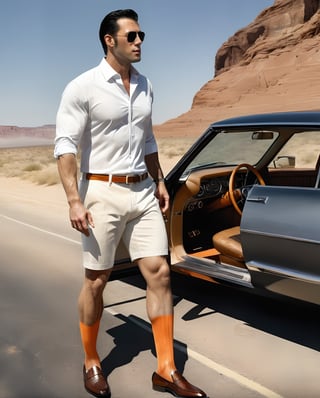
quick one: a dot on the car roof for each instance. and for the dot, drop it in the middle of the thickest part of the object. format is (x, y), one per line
(299, 119)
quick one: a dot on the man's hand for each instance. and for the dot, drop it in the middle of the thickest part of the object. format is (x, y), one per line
(80, 218)
(162, 195)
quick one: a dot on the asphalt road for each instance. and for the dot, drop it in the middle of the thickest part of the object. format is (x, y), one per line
(229, 343)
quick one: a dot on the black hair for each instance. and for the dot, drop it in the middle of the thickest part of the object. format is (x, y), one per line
(109, 25)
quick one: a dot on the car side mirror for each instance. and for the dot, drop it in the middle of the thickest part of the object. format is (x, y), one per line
(284, 161)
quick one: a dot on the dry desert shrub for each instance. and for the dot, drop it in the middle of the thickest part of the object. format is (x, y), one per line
(33, 167)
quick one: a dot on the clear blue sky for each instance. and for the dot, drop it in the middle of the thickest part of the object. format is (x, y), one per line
(46, 43)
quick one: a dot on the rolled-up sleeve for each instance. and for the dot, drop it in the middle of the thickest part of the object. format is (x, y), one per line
(64, 145)
(71, 120)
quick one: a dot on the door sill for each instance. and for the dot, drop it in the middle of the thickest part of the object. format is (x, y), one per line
(215, 270)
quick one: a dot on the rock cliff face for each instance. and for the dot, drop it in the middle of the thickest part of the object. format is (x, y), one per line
(279, 27)
(271, 65)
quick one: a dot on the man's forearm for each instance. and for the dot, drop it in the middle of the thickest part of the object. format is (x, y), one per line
(153, 165)
(67, 167)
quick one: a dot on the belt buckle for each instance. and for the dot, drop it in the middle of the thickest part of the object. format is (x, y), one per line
(127, 179)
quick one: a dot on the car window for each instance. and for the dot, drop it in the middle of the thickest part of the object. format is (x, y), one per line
(301, 151)
(232, 148)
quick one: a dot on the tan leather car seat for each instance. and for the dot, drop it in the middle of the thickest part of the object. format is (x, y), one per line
(228, 243)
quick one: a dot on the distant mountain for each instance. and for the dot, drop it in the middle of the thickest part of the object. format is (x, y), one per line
(47, 131)
(271, 65)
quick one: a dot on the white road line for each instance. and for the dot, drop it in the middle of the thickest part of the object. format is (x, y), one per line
(250, 384)
(40, 229)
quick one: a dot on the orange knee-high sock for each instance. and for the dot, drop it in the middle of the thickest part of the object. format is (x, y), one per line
(162, 328)
(89, 335)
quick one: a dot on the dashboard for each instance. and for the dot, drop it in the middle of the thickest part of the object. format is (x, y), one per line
(212, 188)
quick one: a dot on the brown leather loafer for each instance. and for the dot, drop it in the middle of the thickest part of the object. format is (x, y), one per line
(95, 382)
(179, 386)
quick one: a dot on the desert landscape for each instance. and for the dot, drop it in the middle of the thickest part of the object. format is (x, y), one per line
(270, 65)
(36, 164)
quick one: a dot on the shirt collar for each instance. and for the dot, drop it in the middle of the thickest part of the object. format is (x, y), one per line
(109, 73)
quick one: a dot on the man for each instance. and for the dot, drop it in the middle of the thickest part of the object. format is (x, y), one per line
(106, 112)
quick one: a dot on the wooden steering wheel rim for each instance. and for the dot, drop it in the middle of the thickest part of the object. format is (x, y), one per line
(232, 182)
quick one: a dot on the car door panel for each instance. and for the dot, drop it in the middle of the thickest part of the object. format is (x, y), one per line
(280, 236)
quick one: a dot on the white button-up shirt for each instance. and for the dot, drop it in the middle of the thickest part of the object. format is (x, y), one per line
(112, 129)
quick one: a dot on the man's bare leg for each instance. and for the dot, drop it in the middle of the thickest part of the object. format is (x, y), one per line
(160, 311)
(90, 312)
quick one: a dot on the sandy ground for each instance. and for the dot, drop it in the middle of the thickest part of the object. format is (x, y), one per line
(29, 191)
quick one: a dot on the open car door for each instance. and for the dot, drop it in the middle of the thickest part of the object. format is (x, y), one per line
(280, 237)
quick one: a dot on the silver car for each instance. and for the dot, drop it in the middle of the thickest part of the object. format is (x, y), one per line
(245, 205)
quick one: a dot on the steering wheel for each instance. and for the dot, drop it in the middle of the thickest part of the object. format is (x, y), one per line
(232, 190)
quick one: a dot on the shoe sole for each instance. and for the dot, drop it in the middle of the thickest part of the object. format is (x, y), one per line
(165, 389)
(97, 395)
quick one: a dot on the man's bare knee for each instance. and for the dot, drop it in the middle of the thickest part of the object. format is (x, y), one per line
(97, 280)
(155, 271)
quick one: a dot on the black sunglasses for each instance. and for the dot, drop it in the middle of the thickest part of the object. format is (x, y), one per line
(131, 36)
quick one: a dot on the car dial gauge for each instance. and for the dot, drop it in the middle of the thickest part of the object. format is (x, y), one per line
(214, 187)
(201, 191)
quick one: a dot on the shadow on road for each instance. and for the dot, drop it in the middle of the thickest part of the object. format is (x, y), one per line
(131, 338)
(288, 319)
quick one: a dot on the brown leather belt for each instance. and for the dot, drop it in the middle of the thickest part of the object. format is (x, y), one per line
(116, 178)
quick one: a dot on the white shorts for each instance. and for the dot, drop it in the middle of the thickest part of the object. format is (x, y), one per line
(122, 211)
